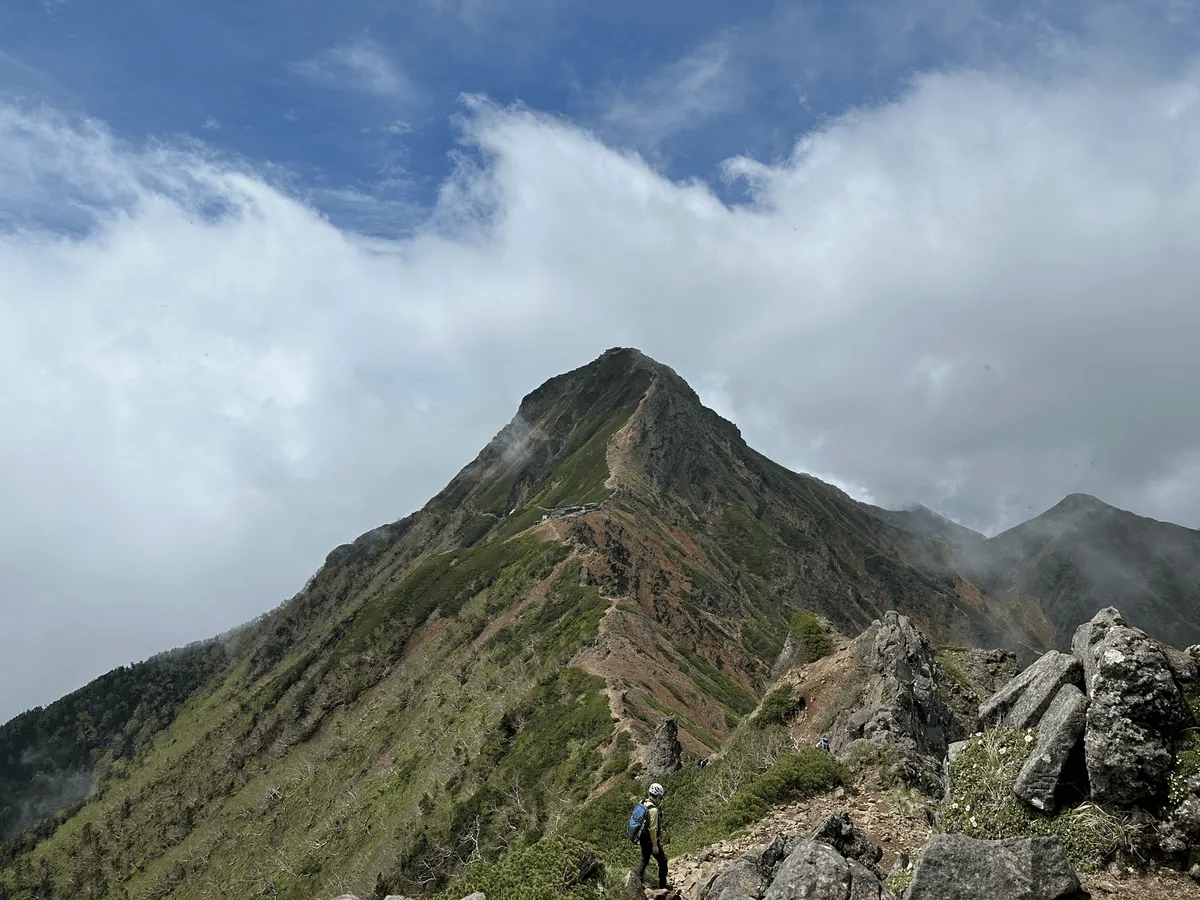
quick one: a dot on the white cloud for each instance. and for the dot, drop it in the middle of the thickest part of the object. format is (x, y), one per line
(980, 297)
(681, 95)
(359, 64)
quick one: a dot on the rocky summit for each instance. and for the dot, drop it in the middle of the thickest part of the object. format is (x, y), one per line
(617, 589)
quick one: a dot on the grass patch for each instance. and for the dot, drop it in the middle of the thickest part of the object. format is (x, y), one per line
(984, 806)
(618, 761)
(898, 882)
(1187, 749)
(495, 499)
(796, 775)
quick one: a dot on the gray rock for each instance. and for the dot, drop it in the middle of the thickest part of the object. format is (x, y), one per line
(839, 832)
(957, 867)
(666, 754)
(741, 879)
(1136, 711)
(947, 783)
(902, 705)
(865, 883)
(1059, 732)
(815, 871)
(478, 895)
(1180, 833)
(1087, 636)
(1183, 666)
(1023, 701)
(777, 851)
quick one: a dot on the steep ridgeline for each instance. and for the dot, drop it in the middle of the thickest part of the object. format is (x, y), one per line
(455, 683)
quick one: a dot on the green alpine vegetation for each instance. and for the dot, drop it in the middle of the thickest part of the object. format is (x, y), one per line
(464, 697)
(95, 732)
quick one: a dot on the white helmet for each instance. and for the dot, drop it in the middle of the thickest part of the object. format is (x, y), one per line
(656, 790)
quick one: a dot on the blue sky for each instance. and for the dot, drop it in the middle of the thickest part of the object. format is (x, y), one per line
(271, 274)
(356, 103)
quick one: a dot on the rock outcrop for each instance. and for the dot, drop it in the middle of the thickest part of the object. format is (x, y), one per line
(1135, 710)
(957, 867)
(833, 860)
(815, 871)
(743, 879)
(666, 754)
(1109, 718)
(1024, 700)
(839, 832)
(902, 707)
(1059, 732)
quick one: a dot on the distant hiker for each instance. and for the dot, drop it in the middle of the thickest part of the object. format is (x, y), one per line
(823, 744)
(649, 835)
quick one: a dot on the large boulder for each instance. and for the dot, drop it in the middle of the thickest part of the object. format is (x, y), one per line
(742, 879)
(957, 867)
(1136, 711)
(666, 754)
(903, 707)
(1059, 733)
(839, 832)
(1023, 701)
(815, 871)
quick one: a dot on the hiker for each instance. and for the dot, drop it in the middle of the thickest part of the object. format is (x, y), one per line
(823, 744)
(651, 836)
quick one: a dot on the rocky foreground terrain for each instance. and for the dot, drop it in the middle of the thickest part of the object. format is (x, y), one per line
(1084, 760)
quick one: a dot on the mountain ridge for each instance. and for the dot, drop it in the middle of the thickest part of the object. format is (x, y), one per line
(616, 553)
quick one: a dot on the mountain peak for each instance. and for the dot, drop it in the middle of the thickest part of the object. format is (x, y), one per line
(613, 368)
(1080, 503)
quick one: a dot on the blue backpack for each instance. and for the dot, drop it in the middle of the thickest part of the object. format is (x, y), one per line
(637, 822)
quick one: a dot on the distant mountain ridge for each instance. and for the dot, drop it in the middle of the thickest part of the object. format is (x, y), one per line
(476, 656)
(1083, 555)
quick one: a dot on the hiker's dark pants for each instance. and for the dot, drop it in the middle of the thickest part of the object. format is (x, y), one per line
(660, 857)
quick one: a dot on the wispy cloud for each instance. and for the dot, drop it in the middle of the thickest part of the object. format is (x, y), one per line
(683, 94)
(485, 17)
(359, 64)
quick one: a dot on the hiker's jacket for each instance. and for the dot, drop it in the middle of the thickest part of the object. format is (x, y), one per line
(654, 824)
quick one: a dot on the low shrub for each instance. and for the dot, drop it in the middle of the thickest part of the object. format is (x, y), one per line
(797, 774)
(809, 637)
(554, 868)
(779, 707)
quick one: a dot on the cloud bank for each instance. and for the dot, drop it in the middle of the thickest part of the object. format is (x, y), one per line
(980, 296)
